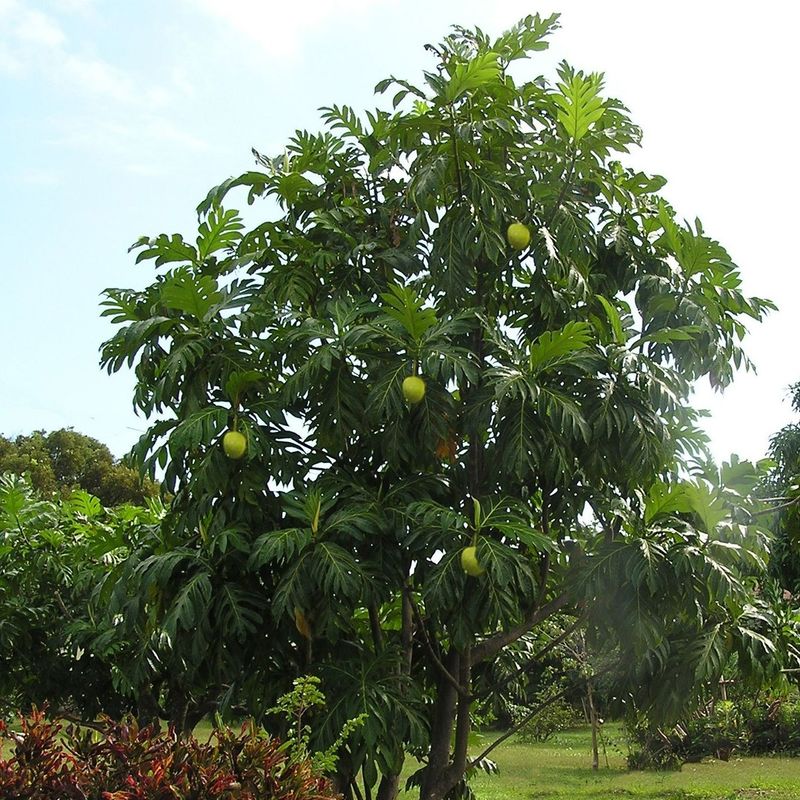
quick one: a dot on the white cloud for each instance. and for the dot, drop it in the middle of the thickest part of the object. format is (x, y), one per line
(280, 27)
(74, 6)
(9, 63)
(34, 42)
(144, 170)
(96, 76)
(7, 6)
(27, 37)
(121, 109)
(164, 130)
(120, 137)
(38, 176)
(38, 29)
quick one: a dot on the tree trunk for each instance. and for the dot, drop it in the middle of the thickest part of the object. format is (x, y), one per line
(375, 626)
(442, 720)
(341, 785)
(463, 723)
(178, 710)
(444, 773)
(594, 723)
(407, 633)
(452, 706)
(147, 708)
(178, 717)
(195, 712)
(389, 787)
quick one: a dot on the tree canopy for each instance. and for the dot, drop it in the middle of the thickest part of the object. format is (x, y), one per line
(53, 554)
(783, 484)
(551, 433)
(64, 460)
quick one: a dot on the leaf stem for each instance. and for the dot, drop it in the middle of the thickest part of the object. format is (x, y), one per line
(564, 188)
(456, 157)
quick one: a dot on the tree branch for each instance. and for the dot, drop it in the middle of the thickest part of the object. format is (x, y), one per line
(533, 660)
(463, 716)
(83, 723)
(375, 626)
(525, 720)
(794, 501)
(514, 728)
(489, 647)
(60, 602)
(564, 189)
(462, 691)
(407, 633)
(544, 561)
(457, 159)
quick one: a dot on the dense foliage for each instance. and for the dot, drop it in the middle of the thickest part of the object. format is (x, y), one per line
(59, 462)
(748, 726)
(53, 554)
(783, 485)
(124, 762)
(553, 423)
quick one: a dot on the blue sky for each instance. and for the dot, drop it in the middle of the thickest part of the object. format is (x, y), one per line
(116, 118)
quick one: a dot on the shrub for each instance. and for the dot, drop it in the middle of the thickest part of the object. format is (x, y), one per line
(124, 762)
(774, 727)
(767, 727)
(553, 718)
(719, 733)
(651, 748)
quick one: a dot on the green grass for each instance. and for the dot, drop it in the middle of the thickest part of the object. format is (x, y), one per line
(561, 768)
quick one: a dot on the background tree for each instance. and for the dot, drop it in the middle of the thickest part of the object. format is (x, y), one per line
(783, 485)
(52, 555)
(557, 371)
(64, 460)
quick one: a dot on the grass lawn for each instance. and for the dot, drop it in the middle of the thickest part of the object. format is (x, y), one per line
(561, 768)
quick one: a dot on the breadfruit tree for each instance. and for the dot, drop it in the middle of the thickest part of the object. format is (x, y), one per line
(483, 235)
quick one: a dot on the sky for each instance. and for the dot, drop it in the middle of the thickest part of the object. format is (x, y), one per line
(116, 118)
